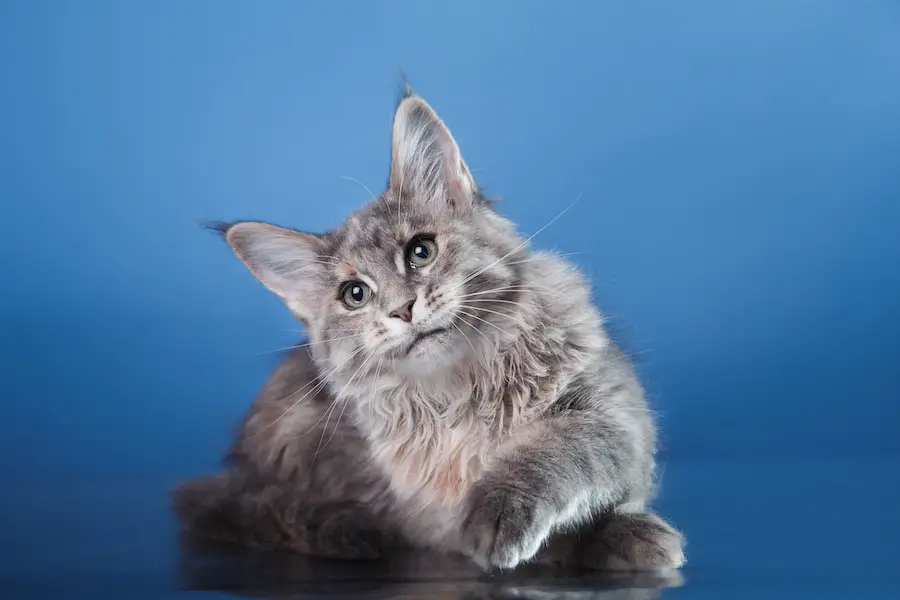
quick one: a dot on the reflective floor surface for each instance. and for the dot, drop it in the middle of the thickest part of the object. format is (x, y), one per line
(766, 529)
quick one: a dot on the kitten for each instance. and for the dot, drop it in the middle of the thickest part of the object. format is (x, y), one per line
(459, 392)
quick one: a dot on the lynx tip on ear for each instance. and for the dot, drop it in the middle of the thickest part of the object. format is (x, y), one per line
(218, 227)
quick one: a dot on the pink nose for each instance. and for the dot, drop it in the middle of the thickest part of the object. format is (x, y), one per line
(404, 313)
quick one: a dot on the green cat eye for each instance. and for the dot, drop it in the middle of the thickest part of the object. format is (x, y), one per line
(355, 294)
(421, 251)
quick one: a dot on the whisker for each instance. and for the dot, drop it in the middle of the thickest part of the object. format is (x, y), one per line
(337, 424)
(494, 312)
(400, 196)
(334, 402)
(535, 258)
(375, 379)
(295, 347)
(326, 413)
(523, 244)
(378, 369)
(318, 261)
(491, 300)
(489, 340)
(498, 328)
(323, 378)
(512, 288)
(364, 186)
(344, 399)
(455, 326)
(344, 402)
(523, 285)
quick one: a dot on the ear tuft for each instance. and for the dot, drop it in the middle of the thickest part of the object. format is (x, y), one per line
(406, 89)
(217, 227)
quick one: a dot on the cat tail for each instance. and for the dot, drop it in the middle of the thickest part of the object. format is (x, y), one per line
(234, 509)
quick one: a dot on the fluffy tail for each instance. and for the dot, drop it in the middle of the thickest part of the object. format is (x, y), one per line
(233, 509)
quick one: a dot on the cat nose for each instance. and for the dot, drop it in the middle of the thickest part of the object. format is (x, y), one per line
(404, 312)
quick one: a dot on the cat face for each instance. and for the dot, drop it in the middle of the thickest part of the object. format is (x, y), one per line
(417, 280)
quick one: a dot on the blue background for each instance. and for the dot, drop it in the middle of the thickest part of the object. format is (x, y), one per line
(739, 172)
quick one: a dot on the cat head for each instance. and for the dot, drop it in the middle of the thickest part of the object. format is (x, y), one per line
(417, 280)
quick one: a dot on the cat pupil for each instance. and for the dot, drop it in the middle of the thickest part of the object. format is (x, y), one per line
(357, 293)
(421, 251)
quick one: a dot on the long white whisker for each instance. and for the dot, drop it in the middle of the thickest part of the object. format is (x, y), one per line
(327, 412)
(523, 244)
(491, 301)
(475, 353)
(323, 378)
(511, 288)
(375, 379)
(536, 258)
(400, 195)
(341, 397)
(455, 326)
(337, 424)
(344, 399)
(334, 402)
(364, 186)
(498, 328)
(494, 312)
(530, 285)
(295, 347)
(371, 195)
(480, 332)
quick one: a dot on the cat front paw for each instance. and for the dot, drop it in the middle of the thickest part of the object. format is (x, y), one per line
(503, 527)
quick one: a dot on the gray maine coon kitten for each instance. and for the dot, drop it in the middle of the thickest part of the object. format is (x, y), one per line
(459, 392)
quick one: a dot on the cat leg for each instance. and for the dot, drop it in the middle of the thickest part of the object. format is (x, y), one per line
(632, 542)
(618, 542)
(557, 473)
(230, 508)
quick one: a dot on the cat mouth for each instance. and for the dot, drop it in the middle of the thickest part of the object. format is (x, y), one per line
(425, 335)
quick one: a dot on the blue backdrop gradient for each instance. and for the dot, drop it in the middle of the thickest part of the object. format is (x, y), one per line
(738, 167)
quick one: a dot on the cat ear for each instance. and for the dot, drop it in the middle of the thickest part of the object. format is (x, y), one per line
(286, 261)
(425, 161)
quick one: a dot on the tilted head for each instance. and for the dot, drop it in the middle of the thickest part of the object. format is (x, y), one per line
(420, 279)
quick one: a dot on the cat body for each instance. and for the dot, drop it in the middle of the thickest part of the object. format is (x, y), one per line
(459, 392)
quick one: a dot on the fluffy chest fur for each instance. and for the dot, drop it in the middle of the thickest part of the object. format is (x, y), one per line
(440, 472)
(429, 443)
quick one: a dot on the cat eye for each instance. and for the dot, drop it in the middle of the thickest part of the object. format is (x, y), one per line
(421, 251)
(355, 294)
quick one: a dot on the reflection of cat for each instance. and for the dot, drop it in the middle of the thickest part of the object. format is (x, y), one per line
(404, 575)
(459, 391)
